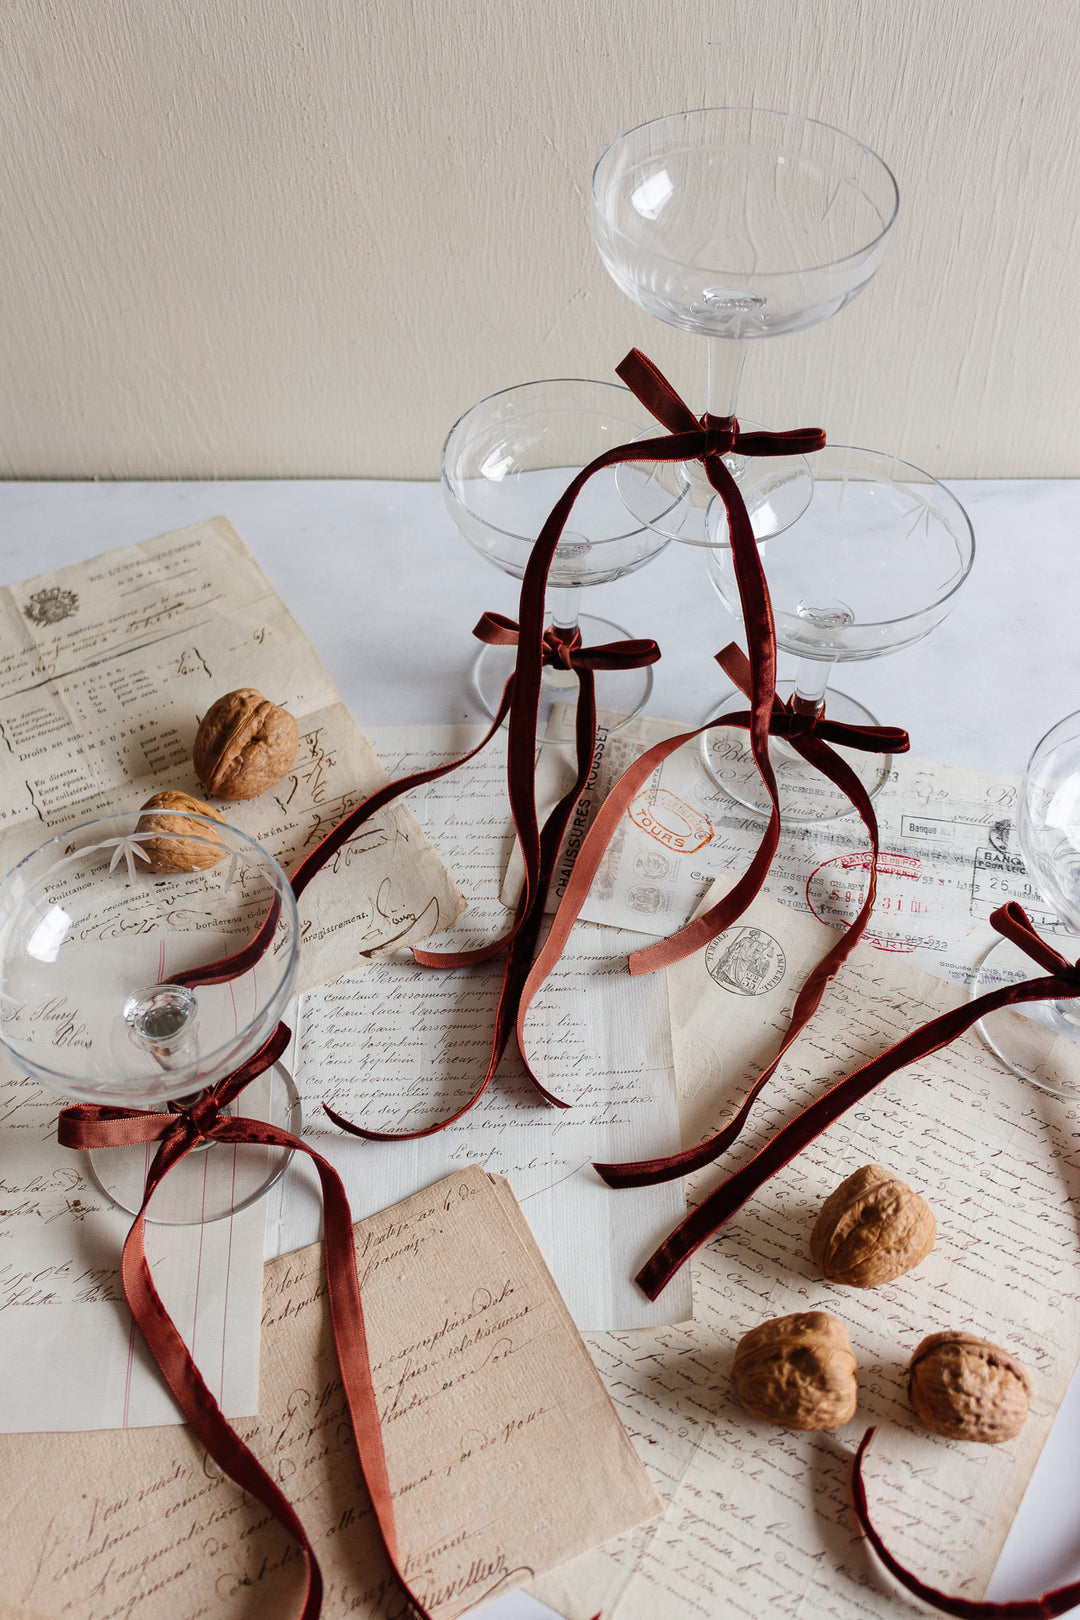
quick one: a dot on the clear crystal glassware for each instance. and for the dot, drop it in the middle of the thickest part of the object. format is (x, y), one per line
(738, 223)
(1046, 882)
(95, 933)
(872, 565)
(504, 465)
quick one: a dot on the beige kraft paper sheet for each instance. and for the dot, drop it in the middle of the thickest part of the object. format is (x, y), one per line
(504, 1451)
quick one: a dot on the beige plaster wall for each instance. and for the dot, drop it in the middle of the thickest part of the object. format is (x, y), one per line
(298, 237)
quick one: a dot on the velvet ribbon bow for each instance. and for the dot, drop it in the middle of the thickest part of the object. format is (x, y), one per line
(177, 1132)
(708, 440)
(558, 649)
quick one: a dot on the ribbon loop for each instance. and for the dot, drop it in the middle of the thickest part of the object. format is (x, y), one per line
(1014, 924)
(563, 648)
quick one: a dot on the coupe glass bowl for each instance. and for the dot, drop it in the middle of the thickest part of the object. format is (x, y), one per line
(99, 944)
(872, 566)
(736, 224)
(504, 465)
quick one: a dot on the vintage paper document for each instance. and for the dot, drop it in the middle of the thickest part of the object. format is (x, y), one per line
(759, 1518)
(397, 1046)
(71, 1355)
(105, 671)
(504, 1452)
(949, 854)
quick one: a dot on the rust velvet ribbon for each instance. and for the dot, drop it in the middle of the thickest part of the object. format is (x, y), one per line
(810, 735)
(557, 649)
(85, 1127)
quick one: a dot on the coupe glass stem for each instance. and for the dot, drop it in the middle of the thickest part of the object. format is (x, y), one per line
(726, 357)
(564, 605)
(812, 677)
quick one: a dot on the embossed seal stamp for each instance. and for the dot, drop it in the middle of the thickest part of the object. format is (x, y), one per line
(745, 960)
(51, 606)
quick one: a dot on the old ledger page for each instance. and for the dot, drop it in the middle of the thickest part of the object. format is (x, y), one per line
(105, 671)
(504, 1453)
(759, 1518)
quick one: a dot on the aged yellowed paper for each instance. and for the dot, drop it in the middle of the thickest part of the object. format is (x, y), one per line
(504, 1452)
(107, 667)
(758, 1518)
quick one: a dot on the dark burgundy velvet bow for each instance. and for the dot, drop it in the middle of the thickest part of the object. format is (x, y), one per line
(558, 649)
(689, 439)
(707, 440)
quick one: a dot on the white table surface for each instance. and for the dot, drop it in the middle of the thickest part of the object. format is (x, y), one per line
(387, 591)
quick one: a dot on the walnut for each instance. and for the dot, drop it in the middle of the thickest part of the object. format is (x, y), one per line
(968, 1389)
(177, 846)
(245, 745)
(797, 1371)
(872, 1229)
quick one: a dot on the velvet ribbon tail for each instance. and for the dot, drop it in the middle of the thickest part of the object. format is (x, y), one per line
(1047, 1606)
(1062, 982)
(529, 920)
(804, 733)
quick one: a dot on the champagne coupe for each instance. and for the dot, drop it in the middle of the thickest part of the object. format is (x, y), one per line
(504, 465)
(97, 926)
(738, 223)
(875, 562)
(1048, 830)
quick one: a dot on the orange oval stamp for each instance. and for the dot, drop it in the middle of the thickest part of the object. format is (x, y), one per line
(670, 820)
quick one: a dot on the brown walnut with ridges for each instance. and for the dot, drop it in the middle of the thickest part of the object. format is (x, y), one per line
(245, 745)
(968, 1389)
(797, 1371)
(872, 1229)
(177, 844)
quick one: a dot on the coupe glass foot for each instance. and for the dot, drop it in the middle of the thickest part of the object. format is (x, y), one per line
(1023, 1037)
(213, 1181)
(624, 690)
(805, 795)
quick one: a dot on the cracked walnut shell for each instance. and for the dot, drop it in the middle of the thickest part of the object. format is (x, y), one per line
(244, 745)
(968, 1389)
(178, 845)
(797, 1371)
(872, 1229)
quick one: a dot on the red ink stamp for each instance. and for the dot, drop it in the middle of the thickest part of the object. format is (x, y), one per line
(836, 892)
(670, 820)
